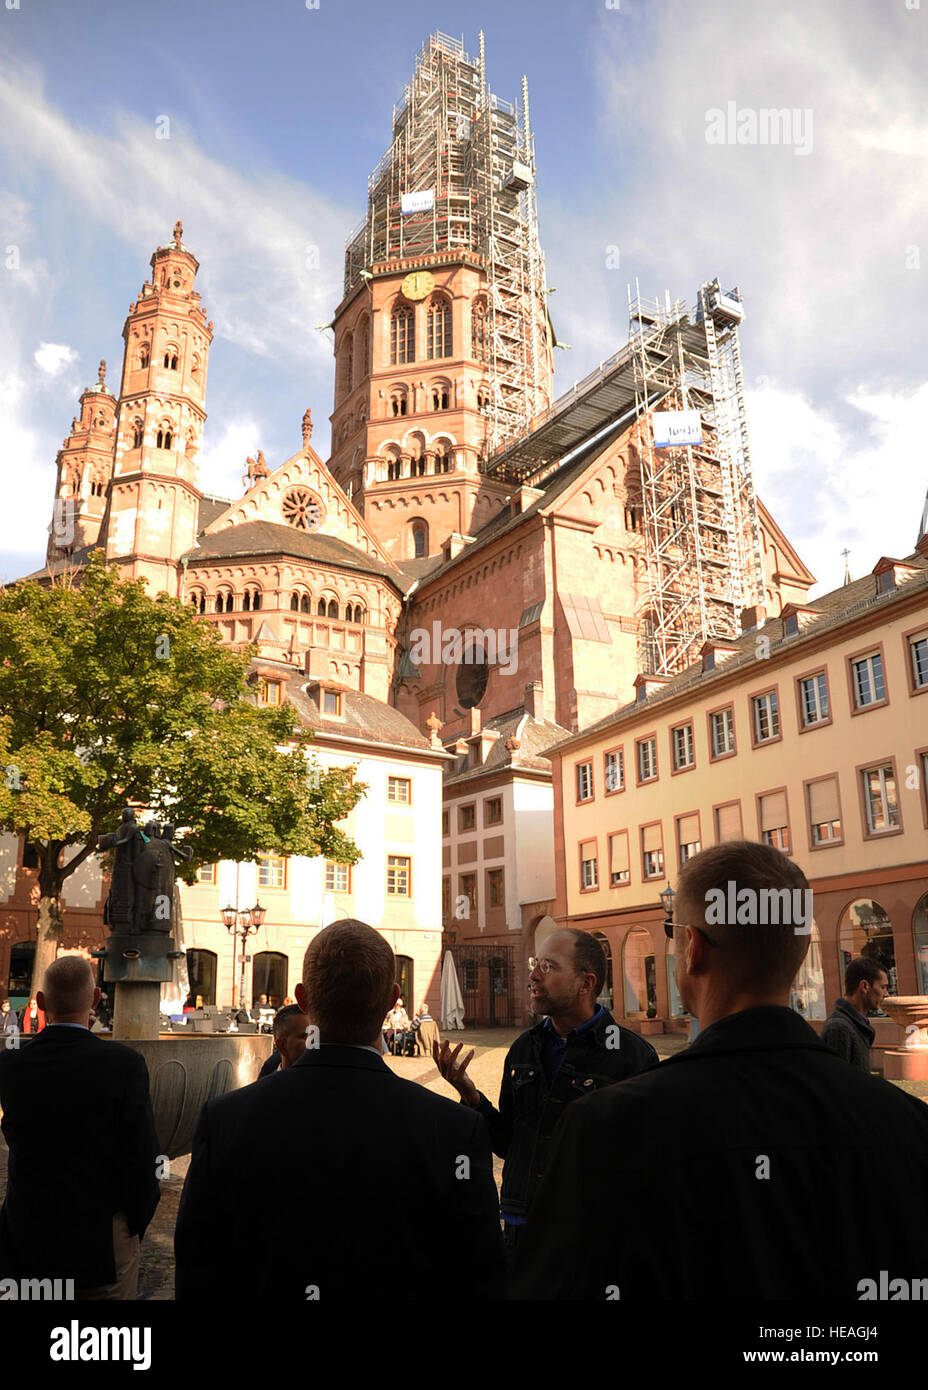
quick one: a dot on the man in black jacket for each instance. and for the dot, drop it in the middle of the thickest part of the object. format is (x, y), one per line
(847, 1029)
(371, 1186)
(746, 1166)
(82, 1183)
(575, 1048)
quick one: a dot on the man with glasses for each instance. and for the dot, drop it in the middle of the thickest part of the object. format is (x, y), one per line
(746, 1166)
(575, 1048)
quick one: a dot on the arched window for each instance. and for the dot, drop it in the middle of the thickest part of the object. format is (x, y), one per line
(269, 976)
(673, 994)
(97, 487)
(246, 602)
(399, 401)
(144, 355)
(170, 359)
(920, 926)
(639, 975)
(440, 395)
(478, 330)
(439, 328)
(164, 438)
(333, 608)
(394, 470)
(137, 434)
(345, 365)
(320, 608)
(201, 972)
(349, 613)
(866, 930)
(402, 336)
(305, 604)
(807, 995)
(605, 997)
(252, 600)
(443, 457)
(483, 399)
(420, 540)
(363, 354)
(195, 368)
(295, 603)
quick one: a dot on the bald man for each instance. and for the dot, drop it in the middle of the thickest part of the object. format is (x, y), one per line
(77, 1117)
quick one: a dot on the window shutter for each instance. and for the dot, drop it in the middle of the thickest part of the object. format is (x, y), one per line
(688, 830)
(773, 811)
(618, 853)
(823, 801)
(651, 837)
(729, 821)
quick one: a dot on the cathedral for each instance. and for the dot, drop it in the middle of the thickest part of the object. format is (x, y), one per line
(467, 578)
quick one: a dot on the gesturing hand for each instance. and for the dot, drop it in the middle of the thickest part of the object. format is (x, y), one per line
(455, 1072)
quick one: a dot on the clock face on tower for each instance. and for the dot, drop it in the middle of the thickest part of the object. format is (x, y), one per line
(418, 284)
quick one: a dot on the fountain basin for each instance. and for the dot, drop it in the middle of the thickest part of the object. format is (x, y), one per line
(185, 1072)
(909, 1061)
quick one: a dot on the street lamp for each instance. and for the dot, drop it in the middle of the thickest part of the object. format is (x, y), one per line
(667, 898)
(242, 924)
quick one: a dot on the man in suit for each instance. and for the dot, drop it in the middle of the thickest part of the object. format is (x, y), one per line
(290, 1025)
(575, 1047)
(755, 1164)
(370, 1184)
(82, 1183)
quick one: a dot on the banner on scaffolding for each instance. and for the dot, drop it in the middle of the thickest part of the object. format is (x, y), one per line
(675, 428)
(417, 202)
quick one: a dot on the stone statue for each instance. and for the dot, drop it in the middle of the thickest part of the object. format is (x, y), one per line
(255, 469)
(307, 427)
(179, 232)
(141, 896)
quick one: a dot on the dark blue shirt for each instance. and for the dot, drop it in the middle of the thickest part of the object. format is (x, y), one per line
(553, 1050)
(554, 1046)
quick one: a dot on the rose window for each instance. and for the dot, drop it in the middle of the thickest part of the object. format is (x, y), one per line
(302, 510)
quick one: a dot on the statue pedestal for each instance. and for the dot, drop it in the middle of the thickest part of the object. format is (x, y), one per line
(909, 1062)
(137, 1010)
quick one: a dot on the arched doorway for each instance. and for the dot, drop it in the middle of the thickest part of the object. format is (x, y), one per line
(546, 927)
(201, 972)
(405, 980)
(605, 997)
(866, 930)
(639, 974)
(269, 976)
(19, 980)
(807, 995)
(673, 994)
(920, 928)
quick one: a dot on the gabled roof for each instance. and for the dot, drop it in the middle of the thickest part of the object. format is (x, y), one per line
(532, 735)
(253, 538)
(364, 718)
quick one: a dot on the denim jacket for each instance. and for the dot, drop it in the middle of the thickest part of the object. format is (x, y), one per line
(522, 1129)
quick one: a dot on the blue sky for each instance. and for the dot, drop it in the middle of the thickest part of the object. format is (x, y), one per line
(278, 113)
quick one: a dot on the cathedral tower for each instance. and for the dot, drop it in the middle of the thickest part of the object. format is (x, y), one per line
(85, 462)
(153, 512)
(442, 340)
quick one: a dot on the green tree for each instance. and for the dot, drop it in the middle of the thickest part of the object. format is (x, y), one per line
(110, 697)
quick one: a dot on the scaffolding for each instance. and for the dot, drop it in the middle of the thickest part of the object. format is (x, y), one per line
(474, 155)
(700, 533)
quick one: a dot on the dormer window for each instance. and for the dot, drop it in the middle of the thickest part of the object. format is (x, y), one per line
(269, 692)
(332, 702)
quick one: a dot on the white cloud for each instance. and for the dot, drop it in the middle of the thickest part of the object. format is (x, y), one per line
(826, 481)
(52, 358)
(222, 462)
(271, 248)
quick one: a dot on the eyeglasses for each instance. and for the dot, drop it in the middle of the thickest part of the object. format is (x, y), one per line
(669, 929)
(543, 965)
